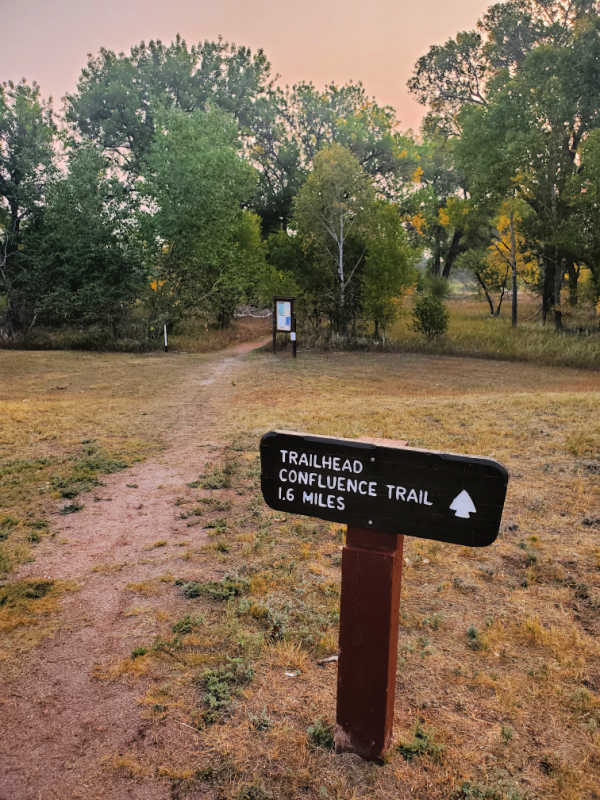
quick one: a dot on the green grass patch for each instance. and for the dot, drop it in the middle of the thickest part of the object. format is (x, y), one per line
(85, 471)
(14, 593)
(320, 735)
(422, 744)
(230, 586)
(220, 687)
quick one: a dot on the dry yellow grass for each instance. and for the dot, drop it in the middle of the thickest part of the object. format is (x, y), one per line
(498, 652)
(473, 332)
(499, 648)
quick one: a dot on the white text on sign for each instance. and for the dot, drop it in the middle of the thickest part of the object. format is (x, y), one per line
(336, 486)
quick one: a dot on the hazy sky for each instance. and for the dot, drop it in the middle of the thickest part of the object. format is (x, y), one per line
(376, 42)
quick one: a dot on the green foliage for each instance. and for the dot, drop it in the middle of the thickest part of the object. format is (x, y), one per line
(84, 474)
(138, 652)
(334, 205)
(480, 791)
(202, 243)
(6, 526)
(320, 735)
(296, 123)
(154, 76)
(221, 685)
(253, 792)
(422, 744)
(433, 285)
(389, 266)
(218, 478)
(261, 722)
(430, 316)
(12, 593)
(474, 639)
(507, 733)
(79, 256)
(26, 165)
(230, 586)
(71, 508)
(187, 624)
(517, 100)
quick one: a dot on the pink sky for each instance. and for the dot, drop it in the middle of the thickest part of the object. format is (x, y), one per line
(375, 42)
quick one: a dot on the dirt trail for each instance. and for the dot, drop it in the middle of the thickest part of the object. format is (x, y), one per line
(61, 729)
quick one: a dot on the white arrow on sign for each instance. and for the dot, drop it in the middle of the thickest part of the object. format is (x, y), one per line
(462, 505)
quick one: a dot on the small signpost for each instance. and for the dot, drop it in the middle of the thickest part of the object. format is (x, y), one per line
(284, 320)
(381, 491)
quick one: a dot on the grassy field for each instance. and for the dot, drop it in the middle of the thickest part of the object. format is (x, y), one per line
(473, 332)
(68, 418)
(498, 686)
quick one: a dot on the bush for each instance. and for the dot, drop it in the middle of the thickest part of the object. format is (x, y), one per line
(422, 744)
(320, 735)
(430, 316)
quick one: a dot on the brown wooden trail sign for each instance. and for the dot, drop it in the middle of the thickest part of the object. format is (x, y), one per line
(381, 491)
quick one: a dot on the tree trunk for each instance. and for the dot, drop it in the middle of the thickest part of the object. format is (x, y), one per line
(513, 267)
(502, 293)
(341, 321)
(487, 294)
(548, 288)
(454, 251)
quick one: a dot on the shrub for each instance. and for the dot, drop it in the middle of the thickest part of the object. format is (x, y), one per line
(422, 744)
(320, 735)
(430, 316)
(220, 685)
(230, 586)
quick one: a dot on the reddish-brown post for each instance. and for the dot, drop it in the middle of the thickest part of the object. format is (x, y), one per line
(369, 611)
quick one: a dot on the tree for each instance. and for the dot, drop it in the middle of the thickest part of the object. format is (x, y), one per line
(79, 261)
(461, 71)
(195, 184)
(26, 163)
(526, 91)
(120, 98)
(587, 200)
(389, 266)
(296, 123)
(332, 206)
(437, 181)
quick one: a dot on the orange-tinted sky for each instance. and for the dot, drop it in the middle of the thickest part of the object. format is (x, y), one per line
(376, 42)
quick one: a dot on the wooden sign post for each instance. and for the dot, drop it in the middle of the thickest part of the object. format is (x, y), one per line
(380, 491)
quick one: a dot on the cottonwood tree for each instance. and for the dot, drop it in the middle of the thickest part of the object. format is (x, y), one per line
(195, 184)
(389, 266)
(527, 85)
(27, 135)
(119, 98)
(81, 264)
(436, 181)
(333, 207)
(294, 124)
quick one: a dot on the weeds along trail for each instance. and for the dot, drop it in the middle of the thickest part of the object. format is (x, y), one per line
(65, 719)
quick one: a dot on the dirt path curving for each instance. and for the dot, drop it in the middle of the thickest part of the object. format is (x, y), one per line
(61, 729)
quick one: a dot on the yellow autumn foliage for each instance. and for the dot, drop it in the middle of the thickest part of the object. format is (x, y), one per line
(499, 251)
(418, 223)
(416, 176)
